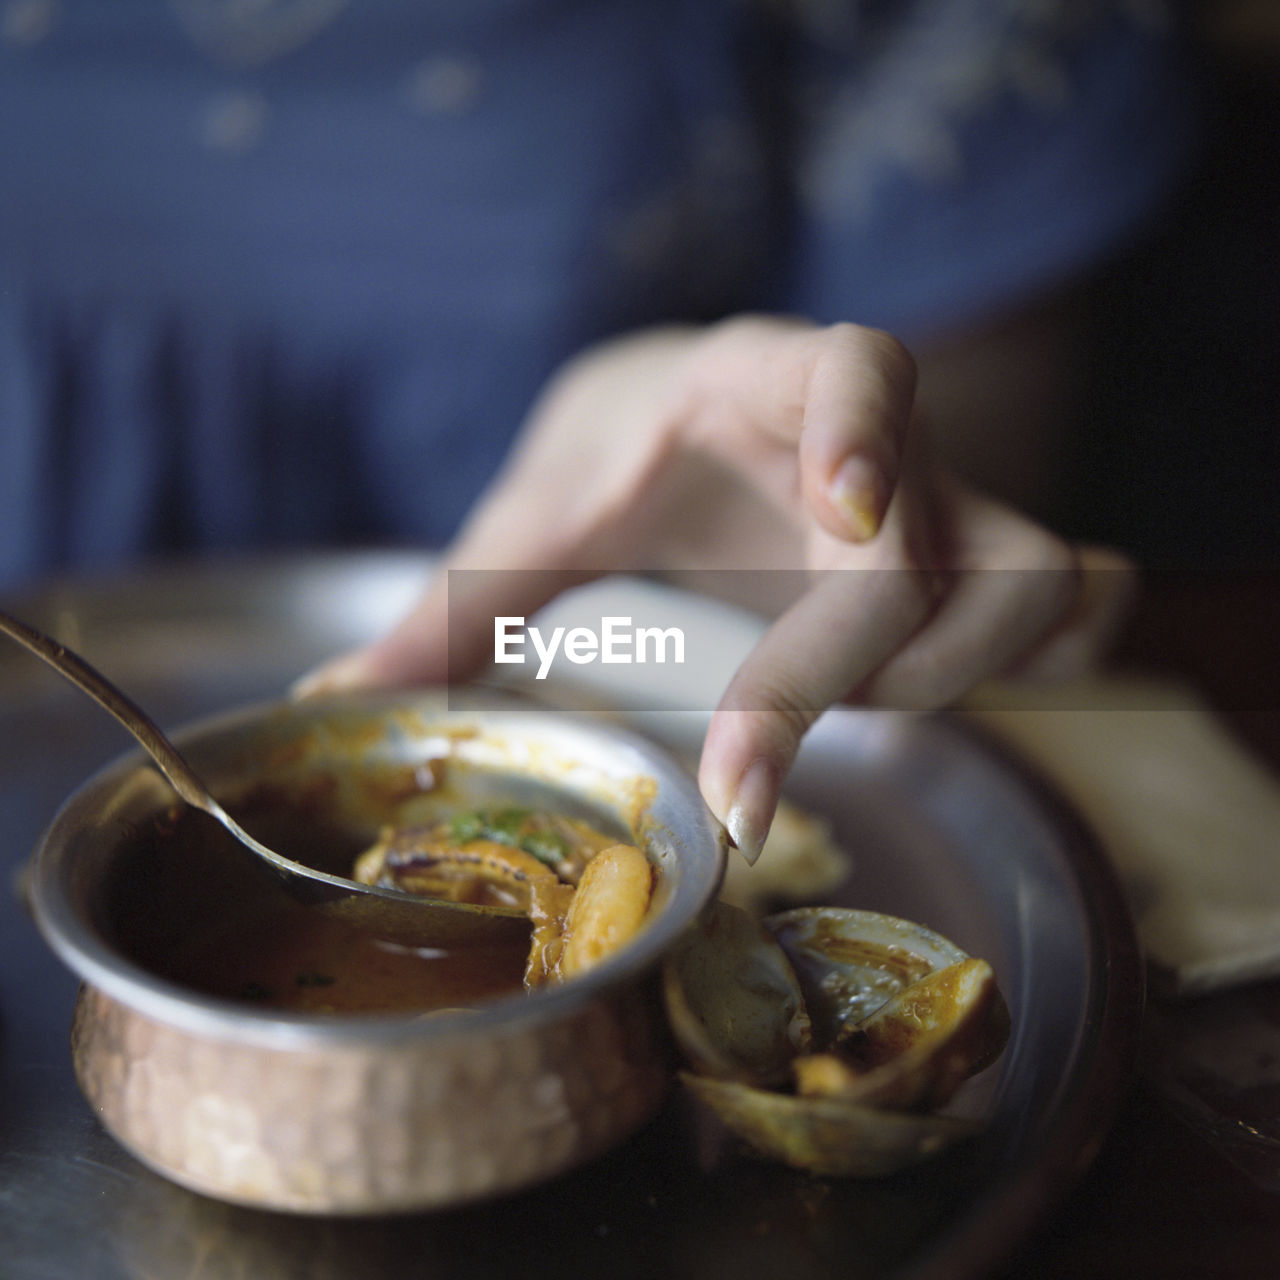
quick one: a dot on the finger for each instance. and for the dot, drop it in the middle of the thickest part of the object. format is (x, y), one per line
(762, 390)
(861, 391)
(416, 651)
(1017, 585)
(447, 636)
(496, 569)
(1108, 591)
(844, 627)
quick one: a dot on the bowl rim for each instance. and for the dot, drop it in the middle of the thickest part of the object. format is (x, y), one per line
(677, 807)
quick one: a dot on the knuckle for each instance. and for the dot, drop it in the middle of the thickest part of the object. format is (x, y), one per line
(791, 711)
(915, 681)
(1055, 554)
(887, 358)
(1057, 576)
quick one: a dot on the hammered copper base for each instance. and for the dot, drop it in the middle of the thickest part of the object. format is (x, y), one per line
(370, 1129)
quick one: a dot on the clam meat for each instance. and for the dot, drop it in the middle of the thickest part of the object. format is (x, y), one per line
(586, 894)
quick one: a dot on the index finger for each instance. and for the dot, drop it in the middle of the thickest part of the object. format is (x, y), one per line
(842, 630)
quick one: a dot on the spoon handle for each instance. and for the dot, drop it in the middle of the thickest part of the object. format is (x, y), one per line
(106, 695)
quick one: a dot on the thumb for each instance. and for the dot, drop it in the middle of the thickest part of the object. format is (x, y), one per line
(496, 568)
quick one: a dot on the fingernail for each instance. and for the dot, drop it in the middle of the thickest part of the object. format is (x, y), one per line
(347, 672)
(751, 810)
(860, 491)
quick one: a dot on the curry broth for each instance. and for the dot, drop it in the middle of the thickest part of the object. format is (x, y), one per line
(187, 904)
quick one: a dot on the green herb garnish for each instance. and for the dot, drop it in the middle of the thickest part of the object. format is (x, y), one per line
(507, 825)
(466, 826)
(546, 846)
(512, 827)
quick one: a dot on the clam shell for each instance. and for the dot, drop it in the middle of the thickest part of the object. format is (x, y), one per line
(920, 1047)
(829, 1136)
(733, 1002)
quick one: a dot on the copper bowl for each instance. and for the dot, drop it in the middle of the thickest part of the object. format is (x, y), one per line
(365, 1113)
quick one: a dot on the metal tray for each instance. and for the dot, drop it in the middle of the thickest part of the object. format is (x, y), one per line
(945, 829)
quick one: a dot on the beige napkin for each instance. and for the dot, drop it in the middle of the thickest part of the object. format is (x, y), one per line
(1189, 817)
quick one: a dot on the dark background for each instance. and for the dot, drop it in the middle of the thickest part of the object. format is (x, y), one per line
(1178, 457)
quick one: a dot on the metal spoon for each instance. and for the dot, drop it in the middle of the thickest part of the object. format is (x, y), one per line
(398, 917)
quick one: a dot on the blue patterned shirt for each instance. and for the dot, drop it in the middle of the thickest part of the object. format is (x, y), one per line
(290, 272)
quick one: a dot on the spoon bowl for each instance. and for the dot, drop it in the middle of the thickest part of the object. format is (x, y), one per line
(402, 918)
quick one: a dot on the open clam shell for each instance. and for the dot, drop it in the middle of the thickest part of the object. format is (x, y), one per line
(896, 1017)
(919, 1048)
(851, 963)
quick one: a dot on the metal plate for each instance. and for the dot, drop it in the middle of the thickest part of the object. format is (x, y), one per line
(945, 829)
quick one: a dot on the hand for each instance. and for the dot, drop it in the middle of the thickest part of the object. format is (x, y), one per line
(919, 588)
